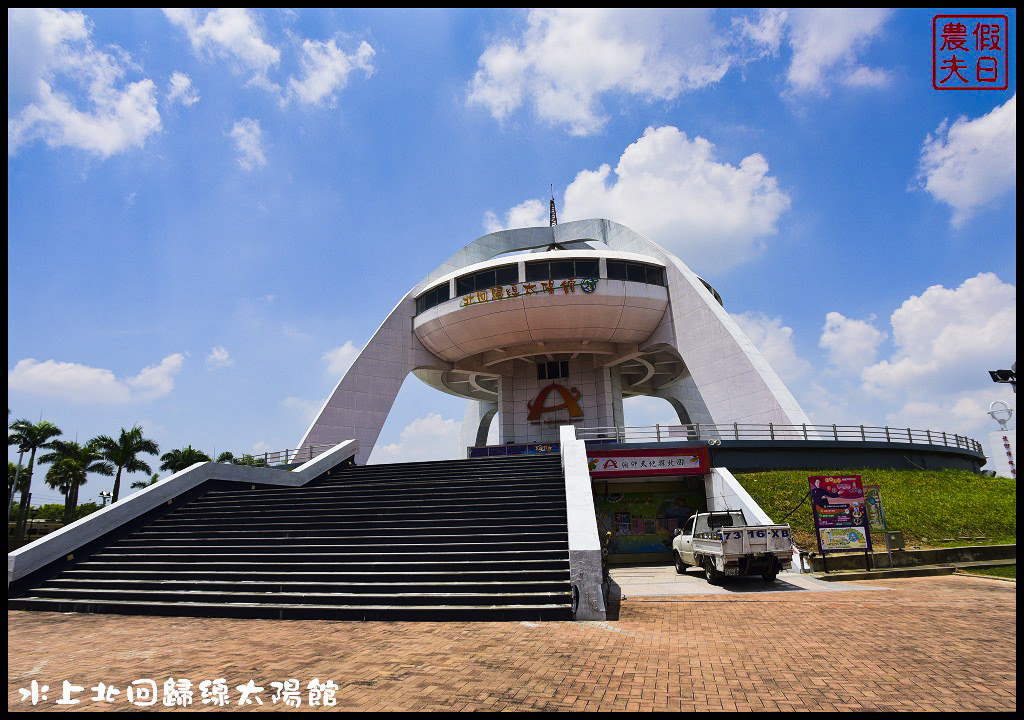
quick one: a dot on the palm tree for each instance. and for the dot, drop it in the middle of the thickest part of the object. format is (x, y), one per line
(178, 460)
(139, 484)
(70, 464)
(123, 453)
(29, 436)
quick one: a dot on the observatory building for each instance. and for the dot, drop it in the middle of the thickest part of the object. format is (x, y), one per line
(552, 326)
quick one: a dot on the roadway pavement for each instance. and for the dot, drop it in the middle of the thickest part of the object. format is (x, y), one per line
(931, 643)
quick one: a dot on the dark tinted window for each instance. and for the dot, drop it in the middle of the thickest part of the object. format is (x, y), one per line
(655, 275)
(586, 268)
(635, 272)
(434, 296)
(507, 275)
(485, 280)
(553, 370)
(536, 271)
(616, 270)
(562, 269)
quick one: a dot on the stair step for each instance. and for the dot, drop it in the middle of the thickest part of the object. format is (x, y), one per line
(471, 540)
(553, 611)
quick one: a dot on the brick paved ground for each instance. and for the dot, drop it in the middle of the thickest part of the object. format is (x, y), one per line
(944, 643)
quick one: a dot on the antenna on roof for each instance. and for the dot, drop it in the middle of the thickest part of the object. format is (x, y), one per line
(554, 216)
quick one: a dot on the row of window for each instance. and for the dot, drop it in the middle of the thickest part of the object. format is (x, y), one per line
(636, 272)
(561, 270)
(486, 279)
(432, 297)
(540, 271)
(553, 370)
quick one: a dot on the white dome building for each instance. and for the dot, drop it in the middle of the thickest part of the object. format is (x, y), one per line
(550, 326)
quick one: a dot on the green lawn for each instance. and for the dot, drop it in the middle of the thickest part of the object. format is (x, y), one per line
(932, 508)
(1004, 572)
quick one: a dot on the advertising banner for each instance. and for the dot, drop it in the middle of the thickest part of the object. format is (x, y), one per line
(644, 462)
(645, 522)
(840, 513)
(876, 511)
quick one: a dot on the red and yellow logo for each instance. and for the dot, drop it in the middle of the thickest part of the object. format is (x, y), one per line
(570, 402)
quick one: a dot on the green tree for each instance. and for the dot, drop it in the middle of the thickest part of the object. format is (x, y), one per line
(226, 457)
(179, 459)
(251, 461)
(29, 437)
(24, 477)
(124, 452)
(70, 465)
(139, 484)
(52, 512)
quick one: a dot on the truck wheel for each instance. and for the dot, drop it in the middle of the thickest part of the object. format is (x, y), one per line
(714, 577)
(680, 565)
(769, 577)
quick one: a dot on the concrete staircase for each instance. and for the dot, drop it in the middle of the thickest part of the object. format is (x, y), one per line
(478, 539)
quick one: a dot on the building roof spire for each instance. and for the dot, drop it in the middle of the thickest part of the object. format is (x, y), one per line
(554, 216)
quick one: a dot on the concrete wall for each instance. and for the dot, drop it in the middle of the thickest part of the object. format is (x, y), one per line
(585, 569)
(599, 401)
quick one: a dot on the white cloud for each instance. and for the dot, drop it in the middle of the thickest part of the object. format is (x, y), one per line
(428, 438)
(672, 189)
(531, 213)
(972, 162)
(775, 341)
(219, 357)
(851, 344)
(233, 34)
(825, 43)
(766, 34)
(945, 336)
(325, 70)
(935, 378)
(340, 358)
(84, 384)
(51, 51)
(180, 89)
(248, 138)
(567, 58)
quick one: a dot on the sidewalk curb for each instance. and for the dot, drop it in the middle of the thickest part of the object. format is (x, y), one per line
(885, 574)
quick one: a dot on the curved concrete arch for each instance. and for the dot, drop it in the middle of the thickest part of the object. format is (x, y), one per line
(728, 379)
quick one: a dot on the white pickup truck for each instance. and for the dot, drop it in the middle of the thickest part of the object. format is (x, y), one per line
(724, 545)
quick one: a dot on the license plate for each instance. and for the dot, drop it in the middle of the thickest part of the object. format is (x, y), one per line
(732, 571)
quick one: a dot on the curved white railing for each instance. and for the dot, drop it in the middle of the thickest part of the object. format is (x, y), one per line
(771, 431)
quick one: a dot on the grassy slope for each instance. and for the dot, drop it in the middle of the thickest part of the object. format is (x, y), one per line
(1004, 572)
(928, 506)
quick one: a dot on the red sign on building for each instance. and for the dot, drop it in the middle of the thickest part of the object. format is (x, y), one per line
(643, 462)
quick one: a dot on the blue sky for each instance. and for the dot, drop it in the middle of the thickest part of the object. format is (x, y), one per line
(209, 212)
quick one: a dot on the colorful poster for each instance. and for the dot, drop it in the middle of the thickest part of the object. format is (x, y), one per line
(622, 524)
(876, 512)
(652, 461)
(847, 538)
(645, 522)
(838, 503)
